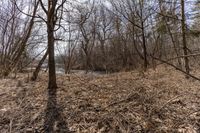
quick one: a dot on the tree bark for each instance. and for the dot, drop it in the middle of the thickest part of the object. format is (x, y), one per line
(37, 70)
(143, 35)
(183, 26)
(52, 72)
(51, 109)
(144, 48)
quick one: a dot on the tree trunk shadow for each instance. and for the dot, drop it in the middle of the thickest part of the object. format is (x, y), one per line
(53, 121)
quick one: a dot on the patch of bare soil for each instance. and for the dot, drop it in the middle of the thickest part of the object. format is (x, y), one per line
(157, 101)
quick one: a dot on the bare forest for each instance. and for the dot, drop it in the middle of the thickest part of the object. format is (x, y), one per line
(99, 66)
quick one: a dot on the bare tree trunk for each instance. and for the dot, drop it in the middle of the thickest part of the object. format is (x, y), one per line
(144, 48)
(68, 65)
(88, 62)
(52, 72)
(174, 43)
(37, 70)
(14, 47)
(170, 34)
(26, 37)
(183, 26)
(135, 44)
(143, 35)
(51, 109)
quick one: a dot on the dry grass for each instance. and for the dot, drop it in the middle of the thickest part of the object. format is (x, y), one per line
(157, 101)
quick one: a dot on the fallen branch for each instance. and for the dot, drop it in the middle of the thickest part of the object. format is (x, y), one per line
(169, 101)
(165, 62)
(182, 56)
(10, 125)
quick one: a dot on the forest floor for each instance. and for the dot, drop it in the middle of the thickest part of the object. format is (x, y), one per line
(157, 101)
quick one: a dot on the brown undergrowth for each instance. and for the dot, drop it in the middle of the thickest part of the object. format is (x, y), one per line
(157, 101)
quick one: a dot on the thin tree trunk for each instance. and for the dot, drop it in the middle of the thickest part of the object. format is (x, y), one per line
(184, 37)
(171, 35)
(37, 70)
(24, 40)
(68, 66)
(174, 43)
(51, 109)
(143, 36)
(22, 43)
(135, 44)
(144, 48)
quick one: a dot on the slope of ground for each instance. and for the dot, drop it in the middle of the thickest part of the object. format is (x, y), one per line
(157, 101)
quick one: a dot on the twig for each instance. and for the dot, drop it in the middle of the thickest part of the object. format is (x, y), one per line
(182, 56)
(169, 101)
(11, 123)
(163, 61)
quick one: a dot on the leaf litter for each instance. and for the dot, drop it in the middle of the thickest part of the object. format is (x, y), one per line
(156, 101)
